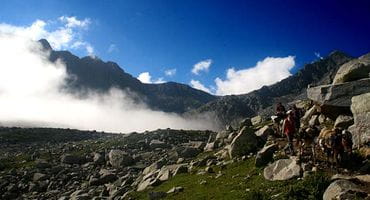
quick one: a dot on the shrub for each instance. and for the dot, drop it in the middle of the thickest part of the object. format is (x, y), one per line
(312, 187)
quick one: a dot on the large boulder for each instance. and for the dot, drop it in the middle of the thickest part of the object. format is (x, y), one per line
(265, 155)
(361, 112)
(264, 132)
(244, 143)
(336, 99)
(118, 158)
(308, 115)
(343, 121)
(353, 70)
(154, 166)
(283, 169)
(343, 189)
(338, 95)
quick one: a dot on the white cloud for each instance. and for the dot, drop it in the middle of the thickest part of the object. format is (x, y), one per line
(201, 66)
(112, 48)
(170, 72)
(145, 77)
(72, 22)
(31, 95)
(318, 55)
(198, 85)
(66, 36)
(266, 72)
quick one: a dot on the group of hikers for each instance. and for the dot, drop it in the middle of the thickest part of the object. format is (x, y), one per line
(291, 122)
(333, 142)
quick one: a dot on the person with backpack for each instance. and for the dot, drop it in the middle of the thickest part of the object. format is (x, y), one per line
(289, 129)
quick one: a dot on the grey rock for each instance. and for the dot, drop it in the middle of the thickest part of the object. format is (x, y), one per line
(118, 158)
(314, 120)
(343, 121)
(244, 143)
(342, 188)
(154, 166)
(283, 169)
(209, 170)
(264, 132)
(175, 190)
(338, 95)
(265, 155)
(256, 120)
(353, 70)
(158, 144)
(210, 147)
(164, 174)
(39, 177)
(181, 169)
(308, 115)
(99, 158)
(361, 112)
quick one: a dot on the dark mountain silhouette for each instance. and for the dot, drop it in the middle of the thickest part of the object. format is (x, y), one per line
(94, 74)
(233, 108)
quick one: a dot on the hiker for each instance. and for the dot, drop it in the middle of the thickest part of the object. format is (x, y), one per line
(280, 110)
(297, 114)
(280, 115)
(289, 130)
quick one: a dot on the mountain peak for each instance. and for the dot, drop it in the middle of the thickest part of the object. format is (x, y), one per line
(339, 56)
(45, 44)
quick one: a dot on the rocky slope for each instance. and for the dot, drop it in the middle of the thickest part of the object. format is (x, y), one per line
(93, 73)
(233, 108)
(70, 164)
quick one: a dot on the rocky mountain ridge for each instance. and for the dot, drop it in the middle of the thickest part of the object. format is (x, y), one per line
(95, 74)
(233, 108)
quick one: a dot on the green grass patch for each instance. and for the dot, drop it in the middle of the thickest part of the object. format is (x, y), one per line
(241, 180)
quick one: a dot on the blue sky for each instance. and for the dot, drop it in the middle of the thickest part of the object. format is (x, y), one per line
(155, 36)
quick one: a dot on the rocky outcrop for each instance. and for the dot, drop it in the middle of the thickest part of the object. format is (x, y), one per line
(244, 143)
(338, 95)
(361, 112)
(353, 70)
(283, 169)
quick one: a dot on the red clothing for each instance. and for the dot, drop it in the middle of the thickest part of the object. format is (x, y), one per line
(289, 126)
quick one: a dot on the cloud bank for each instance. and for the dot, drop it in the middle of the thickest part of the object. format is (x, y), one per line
(198, 85)
(31, 94)
(266, 72)
(145, 77)
(201, 66)
(67, 35)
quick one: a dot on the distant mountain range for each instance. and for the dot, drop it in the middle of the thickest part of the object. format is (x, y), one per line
(93, 73)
